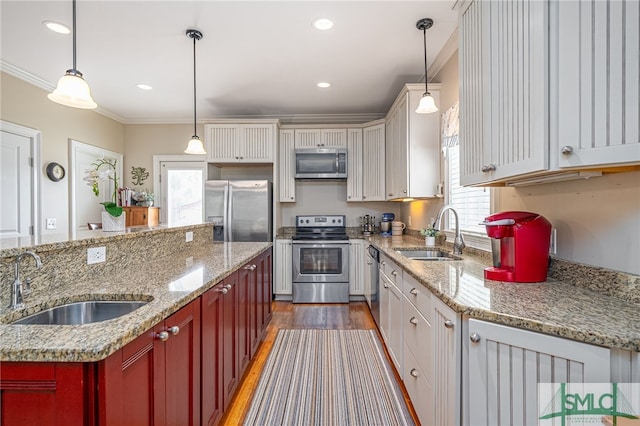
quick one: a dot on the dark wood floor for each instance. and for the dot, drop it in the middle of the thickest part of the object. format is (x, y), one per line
(286, 315)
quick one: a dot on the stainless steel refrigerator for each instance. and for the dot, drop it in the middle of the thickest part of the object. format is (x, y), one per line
(239, 209)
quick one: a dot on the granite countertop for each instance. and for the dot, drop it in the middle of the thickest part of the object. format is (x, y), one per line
(553, 307)
(170, 283)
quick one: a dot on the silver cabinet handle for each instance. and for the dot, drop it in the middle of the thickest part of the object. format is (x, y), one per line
(394, 272)
(414, 372)
(385, 285)
(448, 324)
(567, 149)
(475, 337)
(383, 262)
(227, 286)
(369, 263)
(413, 321)
(174, 330)
(488, 168)
(390, 194)
(222, 290)
(163, 335)
(414, 291)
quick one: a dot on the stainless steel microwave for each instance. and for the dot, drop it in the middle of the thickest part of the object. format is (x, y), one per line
(321, 163)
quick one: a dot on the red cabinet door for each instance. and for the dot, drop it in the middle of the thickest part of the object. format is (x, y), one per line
(255, 305)
(211, 344)
(155, 379)
(266, 285)
(182, 366)
(129, 382)
(33, 393)
(230, 342)
(244, 289)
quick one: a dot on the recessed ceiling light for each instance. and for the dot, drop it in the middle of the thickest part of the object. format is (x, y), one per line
(323, 23)
(57, 27)
(324, 85)
(144, 86)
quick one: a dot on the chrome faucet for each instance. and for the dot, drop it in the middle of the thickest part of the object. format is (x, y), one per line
(458, 242)
(18, 291)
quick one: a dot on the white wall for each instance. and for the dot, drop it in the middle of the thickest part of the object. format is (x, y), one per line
(27, 105)
(329, 197)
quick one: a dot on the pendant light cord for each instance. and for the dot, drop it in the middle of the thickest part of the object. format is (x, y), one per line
(426, 88)
(74, 35)
(195, 133)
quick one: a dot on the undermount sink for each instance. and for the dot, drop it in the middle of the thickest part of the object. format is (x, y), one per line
(79, 313)
(426, 254)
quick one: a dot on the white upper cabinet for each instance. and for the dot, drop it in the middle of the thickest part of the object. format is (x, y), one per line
(503, 90)
(287, 167)
(366, 158)
(547, 86)
(373, 163)
(354, 164)
(412, 162)
(320, 138)
(597, 47)
(240, 143)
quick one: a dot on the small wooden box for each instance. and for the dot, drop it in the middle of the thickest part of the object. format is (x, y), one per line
(142, 216)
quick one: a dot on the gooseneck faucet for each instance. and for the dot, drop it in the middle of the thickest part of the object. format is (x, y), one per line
(458, 242)
(17, 293)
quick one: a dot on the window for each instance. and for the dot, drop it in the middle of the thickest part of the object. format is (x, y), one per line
(182, 192)
(472, 204)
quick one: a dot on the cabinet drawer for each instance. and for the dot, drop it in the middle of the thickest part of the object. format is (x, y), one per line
(417, 333)
(418, 295)
(391, 270)
(419, 388)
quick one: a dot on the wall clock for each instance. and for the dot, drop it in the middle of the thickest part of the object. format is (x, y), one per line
(55, 171)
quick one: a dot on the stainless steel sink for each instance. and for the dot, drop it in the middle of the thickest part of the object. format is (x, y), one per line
(82, 312)
(426, 254)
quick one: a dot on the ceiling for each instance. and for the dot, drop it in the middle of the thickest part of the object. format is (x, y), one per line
(257, 58)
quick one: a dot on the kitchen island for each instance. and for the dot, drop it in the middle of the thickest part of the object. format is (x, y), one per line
(175, 360)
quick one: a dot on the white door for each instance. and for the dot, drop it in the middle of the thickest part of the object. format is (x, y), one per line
(16, 186)
(182, 192)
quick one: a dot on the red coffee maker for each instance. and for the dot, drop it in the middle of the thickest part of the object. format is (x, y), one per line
(520, 247)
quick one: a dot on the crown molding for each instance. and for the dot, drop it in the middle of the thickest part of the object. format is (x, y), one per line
(448, 50)
(47, 86)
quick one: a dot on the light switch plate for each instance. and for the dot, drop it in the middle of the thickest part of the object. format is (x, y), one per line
(189, 236)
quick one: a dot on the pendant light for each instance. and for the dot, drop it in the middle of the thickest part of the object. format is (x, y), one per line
(195, 145)
(427, 104)
(72, 90)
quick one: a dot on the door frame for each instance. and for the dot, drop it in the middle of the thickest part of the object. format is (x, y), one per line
(158, 159)
(35, 137)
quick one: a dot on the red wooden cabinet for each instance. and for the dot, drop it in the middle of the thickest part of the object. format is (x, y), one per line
(244, 306)
(266, 285)
(212, 403)
(230, 369)
(54, 393)
(155, 380)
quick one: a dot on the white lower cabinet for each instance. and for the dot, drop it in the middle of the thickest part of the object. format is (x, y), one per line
(447, 363)
(418, 387)
(505, 365)
(391, 310)
(282, 276)
(356, 267)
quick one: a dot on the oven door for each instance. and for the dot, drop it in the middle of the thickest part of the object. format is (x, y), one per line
(320, 261)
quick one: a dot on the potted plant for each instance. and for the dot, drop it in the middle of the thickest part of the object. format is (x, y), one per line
(113, 218)
(144, 198)
(430, 234)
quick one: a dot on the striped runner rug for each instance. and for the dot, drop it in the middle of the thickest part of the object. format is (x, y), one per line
(327, 377)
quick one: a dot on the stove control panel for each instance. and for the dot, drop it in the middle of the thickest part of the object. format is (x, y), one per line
(331, 221)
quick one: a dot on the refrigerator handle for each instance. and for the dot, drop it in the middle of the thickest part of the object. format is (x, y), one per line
(228, 209)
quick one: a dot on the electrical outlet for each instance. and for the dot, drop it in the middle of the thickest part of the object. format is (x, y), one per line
(409, 220)
(189, 236)
(553, 248)
(51, 223)
(96, 255)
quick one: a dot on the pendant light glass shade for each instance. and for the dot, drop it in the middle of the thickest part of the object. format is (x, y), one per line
(427, 104)
(72, 90)
(195, 146)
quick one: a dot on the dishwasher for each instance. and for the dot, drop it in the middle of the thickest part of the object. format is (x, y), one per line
(373, 287)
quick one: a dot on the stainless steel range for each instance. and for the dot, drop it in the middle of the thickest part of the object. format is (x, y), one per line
(320, 250)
